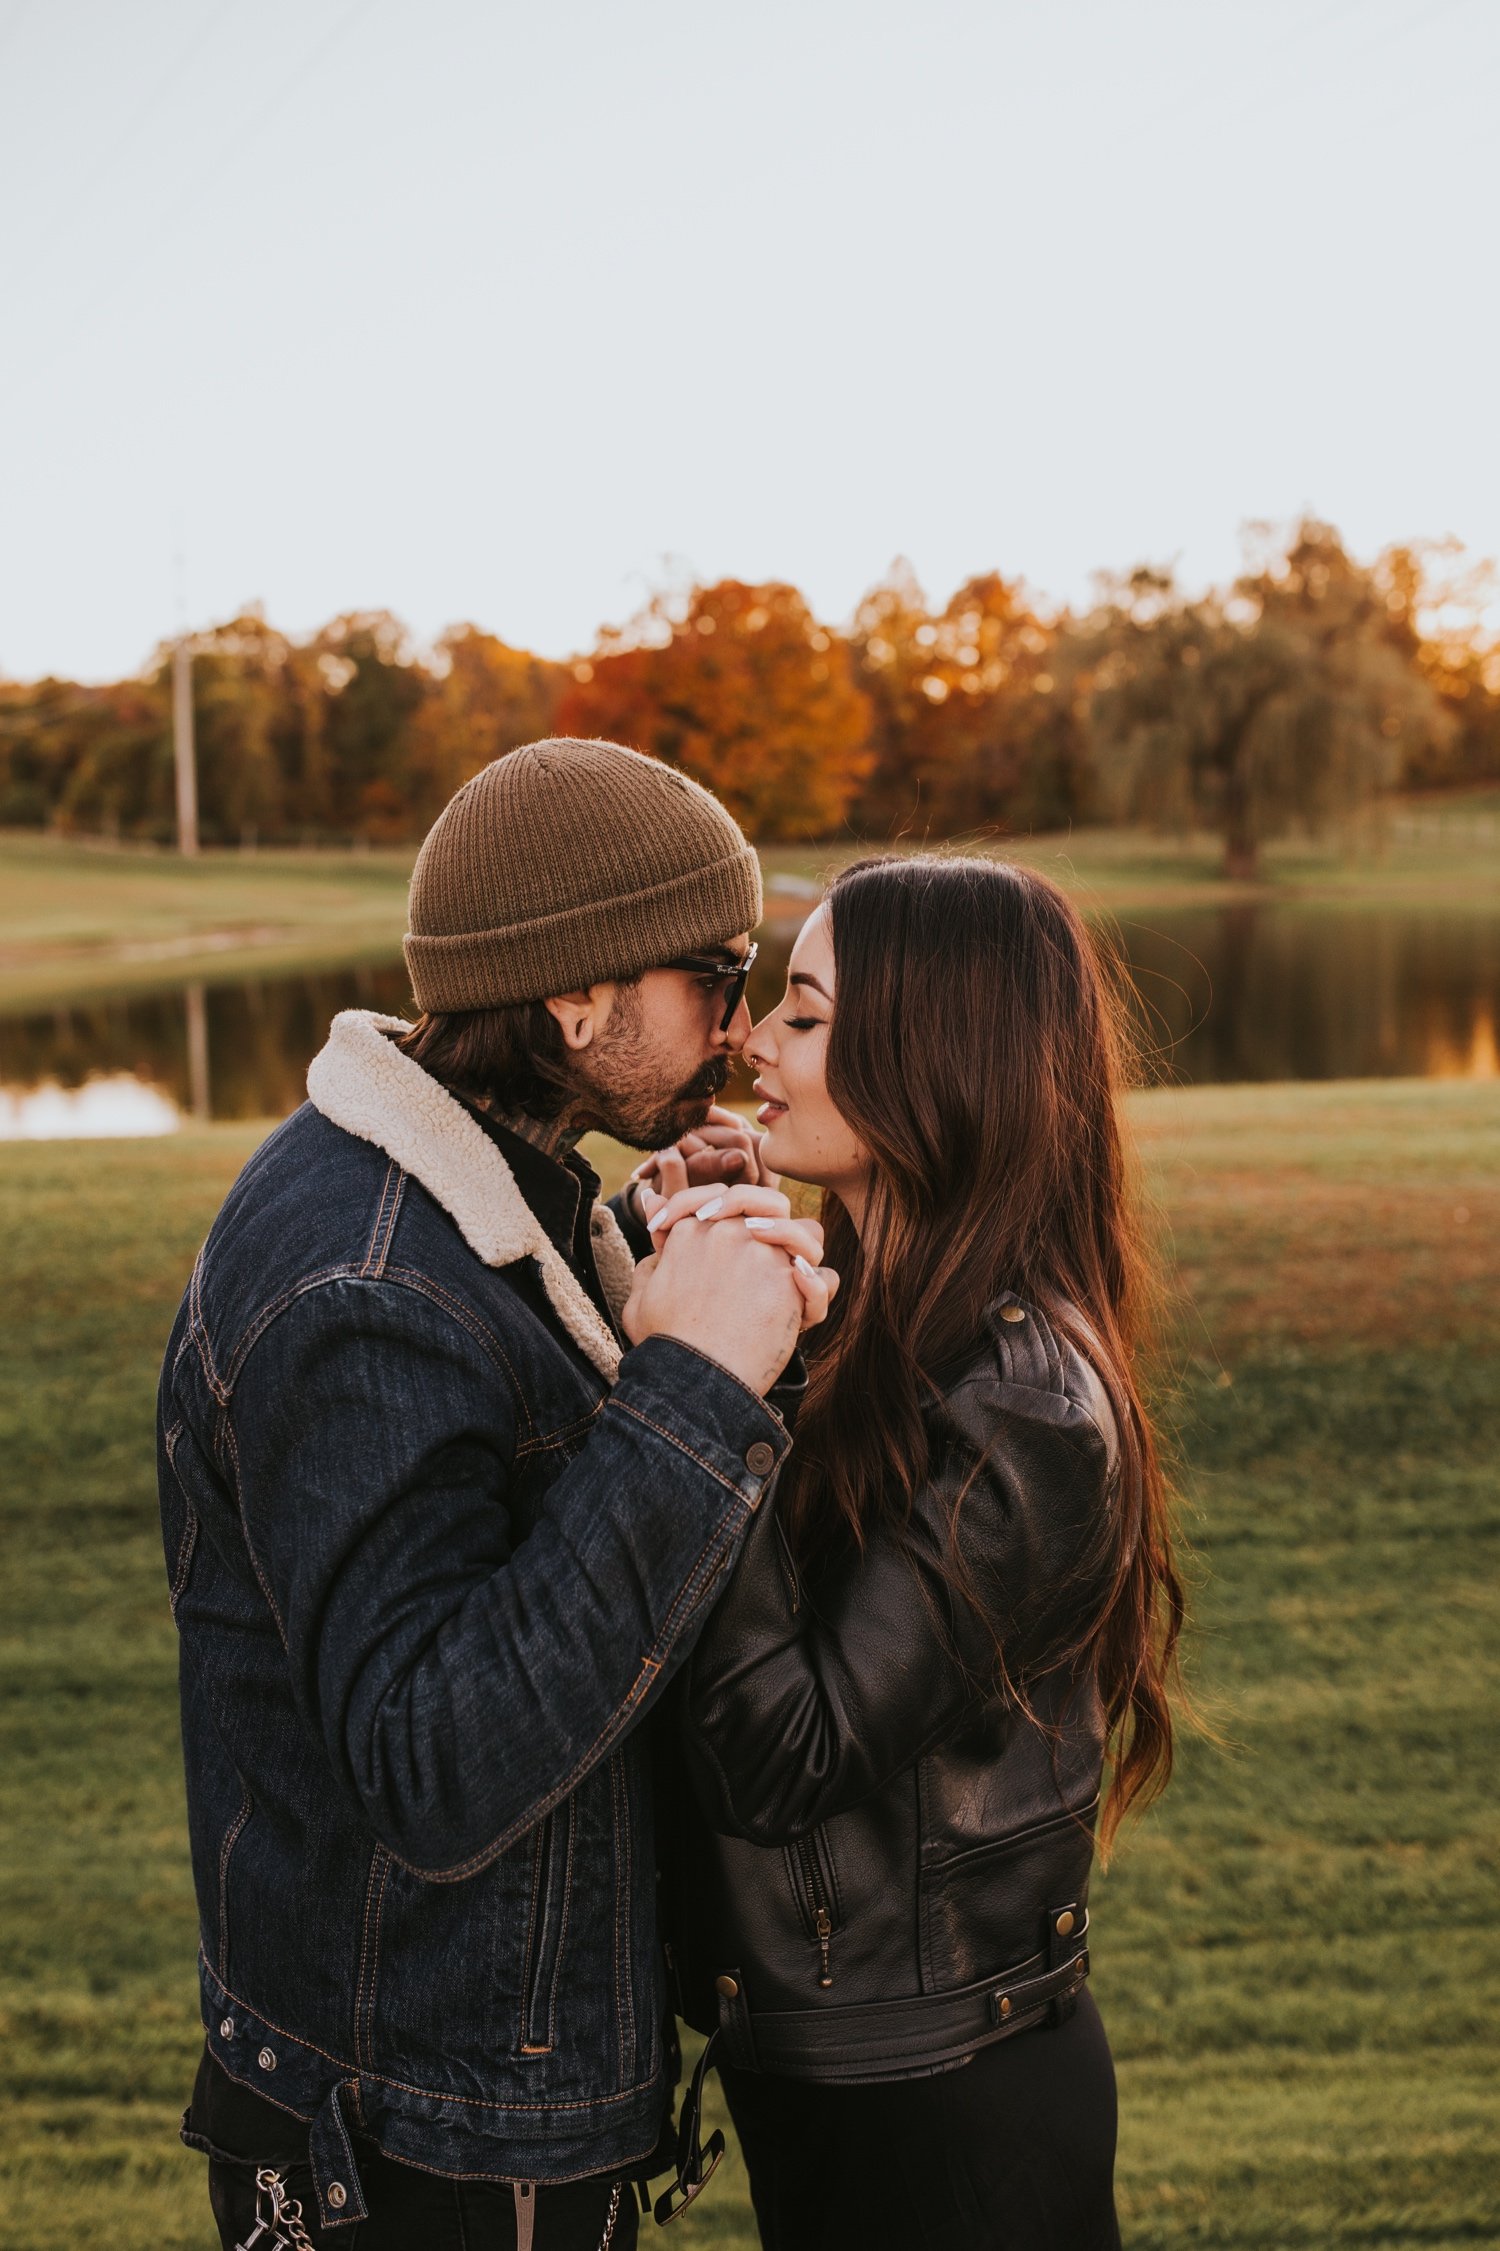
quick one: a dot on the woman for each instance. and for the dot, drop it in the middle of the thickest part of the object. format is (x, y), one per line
(963, 1596)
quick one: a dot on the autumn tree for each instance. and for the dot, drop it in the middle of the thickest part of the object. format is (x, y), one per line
(969, 730)
(247, 723)
(372, 687)
(1000, 733)
(890, 642)
(88, 760)
(744, 690)
(484, 699)
(1284, 707)
(1439, 606)
(28, 773)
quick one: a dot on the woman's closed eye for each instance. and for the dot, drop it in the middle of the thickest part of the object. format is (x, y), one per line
(802, 1023)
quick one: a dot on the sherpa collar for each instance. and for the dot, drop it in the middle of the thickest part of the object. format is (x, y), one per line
(364, 1083)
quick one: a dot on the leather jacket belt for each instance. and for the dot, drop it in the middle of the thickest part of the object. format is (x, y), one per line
(894, 2039)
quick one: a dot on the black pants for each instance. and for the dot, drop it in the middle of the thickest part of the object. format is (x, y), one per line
(408, 2210)
(1013, 2152)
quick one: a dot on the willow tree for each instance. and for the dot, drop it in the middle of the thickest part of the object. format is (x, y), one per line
(1286, 707)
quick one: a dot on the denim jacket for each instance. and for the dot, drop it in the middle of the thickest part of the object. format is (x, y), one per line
(435, 1547)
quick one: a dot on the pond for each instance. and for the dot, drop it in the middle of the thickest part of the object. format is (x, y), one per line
(1258, 991)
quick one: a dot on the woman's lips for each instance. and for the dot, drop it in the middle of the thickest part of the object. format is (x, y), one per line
(769, 1112)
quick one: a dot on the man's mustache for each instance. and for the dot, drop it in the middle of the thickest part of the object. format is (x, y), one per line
(711, 1080)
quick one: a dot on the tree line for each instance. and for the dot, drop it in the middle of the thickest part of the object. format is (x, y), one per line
(1292, 700)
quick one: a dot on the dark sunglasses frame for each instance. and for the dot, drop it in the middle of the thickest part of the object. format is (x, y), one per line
(735, 973)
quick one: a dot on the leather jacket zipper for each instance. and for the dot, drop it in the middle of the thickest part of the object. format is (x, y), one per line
(825, 1938)
(819, 1915)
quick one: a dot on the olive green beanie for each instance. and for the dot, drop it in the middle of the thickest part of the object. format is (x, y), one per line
(566, 863)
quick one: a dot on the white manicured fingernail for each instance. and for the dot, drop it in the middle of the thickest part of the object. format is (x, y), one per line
(653, 1224)
(706, 1211)
(803, 1268)
(762, 1222)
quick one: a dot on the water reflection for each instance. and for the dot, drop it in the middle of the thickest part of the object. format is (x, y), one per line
(1237, 993)
(101, 1108)
(1255, 993)
(221, 1051)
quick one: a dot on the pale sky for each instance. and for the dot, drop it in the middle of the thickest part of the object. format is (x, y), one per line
(476, 309)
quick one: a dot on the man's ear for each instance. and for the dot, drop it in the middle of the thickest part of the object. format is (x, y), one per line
(582, 1015)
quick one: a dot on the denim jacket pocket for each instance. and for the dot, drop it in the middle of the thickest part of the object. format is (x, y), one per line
(547, 1932)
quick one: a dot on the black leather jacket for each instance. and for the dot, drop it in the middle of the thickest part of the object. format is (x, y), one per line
(887, 1864)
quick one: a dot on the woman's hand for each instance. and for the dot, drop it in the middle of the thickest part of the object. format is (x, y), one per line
(726, 1148)
(762, 1212)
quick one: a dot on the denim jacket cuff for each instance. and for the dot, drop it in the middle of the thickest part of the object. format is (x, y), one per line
(697, 1404)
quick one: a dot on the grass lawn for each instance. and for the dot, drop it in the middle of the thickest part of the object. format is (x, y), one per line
(1298, 1955)
(85, 920)
(82, 920)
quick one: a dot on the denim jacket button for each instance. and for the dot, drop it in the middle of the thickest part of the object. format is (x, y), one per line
(760, 1460)
(226, 2028)
(338, 2195)
(267, 2059)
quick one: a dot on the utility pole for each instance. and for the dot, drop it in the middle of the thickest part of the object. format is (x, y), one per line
(183, 749)
(199, 1097)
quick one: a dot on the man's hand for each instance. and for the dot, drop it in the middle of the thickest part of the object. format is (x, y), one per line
(736, 1276)
(725, 1149)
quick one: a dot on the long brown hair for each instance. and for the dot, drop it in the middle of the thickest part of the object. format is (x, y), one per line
(977, 1048)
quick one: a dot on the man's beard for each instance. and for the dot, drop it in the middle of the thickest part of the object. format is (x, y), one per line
(643, 1119)
(624, 1092)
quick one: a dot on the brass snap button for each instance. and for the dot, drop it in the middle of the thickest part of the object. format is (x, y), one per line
(1066, 1922)
(760, 1459)
(338, 2195)
(226, 2028)
(1012, 1312)
(1006, 2005)
(728, 1987)
(267, 2059)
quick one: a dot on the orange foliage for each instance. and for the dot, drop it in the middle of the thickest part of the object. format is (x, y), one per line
(745, 691)
(980, 716)
(485, 699)
(966, 731)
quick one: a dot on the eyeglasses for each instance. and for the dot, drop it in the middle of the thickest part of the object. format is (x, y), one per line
(733, 969)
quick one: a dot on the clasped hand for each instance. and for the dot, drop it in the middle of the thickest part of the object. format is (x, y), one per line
(725, 1148)
(733, 1274)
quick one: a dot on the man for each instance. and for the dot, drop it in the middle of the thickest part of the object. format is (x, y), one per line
(437, 1540)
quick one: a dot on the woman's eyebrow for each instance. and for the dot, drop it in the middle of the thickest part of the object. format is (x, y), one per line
(800, 977)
